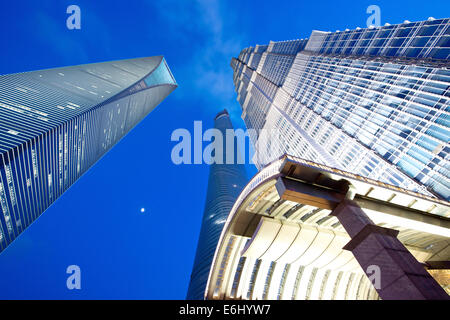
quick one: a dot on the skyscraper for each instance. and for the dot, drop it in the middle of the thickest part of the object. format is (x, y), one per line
(226, 180)
(56, 123)
(370, 101)
(351, 142)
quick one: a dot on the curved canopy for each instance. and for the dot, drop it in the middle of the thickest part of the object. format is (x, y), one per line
(276, 245)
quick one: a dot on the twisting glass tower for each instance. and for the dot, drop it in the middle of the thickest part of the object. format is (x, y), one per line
(56, 123)
(226, 180)
(372, 101)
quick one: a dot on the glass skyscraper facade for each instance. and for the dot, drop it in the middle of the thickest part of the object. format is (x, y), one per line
(371, 101)
(56, 123)
(226, 181)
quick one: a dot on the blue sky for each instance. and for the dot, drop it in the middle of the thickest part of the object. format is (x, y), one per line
(97, 223)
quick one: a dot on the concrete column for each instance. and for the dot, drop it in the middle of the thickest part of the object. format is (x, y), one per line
(402, 277)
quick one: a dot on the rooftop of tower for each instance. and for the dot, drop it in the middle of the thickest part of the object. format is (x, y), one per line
(221, 113)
